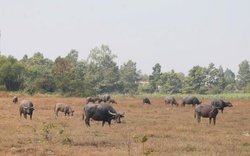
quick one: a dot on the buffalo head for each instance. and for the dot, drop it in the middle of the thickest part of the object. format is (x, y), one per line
(117, 117)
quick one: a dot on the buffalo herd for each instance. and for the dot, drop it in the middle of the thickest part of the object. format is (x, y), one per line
(105, 112)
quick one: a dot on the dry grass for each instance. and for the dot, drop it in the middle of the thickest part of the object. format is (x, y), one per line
(170, 130)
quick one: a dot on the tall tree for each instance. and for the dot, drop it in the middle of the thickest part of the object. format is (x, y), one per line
(11, 73)
(154, 79)
(102, 72)
(171, 83)
(129, 77)
(195, 81)
(64, 71)
(244, 76)
(38, 76)
(230, 83)
(215, 80)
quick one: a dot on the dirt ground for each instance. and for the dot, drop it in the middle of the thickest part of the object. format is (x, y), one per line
(169, 130)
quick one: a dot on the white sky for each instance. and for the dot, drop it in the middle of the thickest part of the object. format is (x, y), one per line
(177, 34)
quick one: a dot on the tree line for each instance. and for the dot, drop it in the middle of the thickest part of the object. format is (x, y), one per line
(100, 74)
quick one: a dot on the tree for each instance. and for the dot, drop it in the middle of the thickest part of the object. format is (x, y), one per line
(244, 76)
(154, 79)
(195, 81)
(38, 76)
(129, 77)
(171, 83)
(102, 72)
(63, 71)
(215, 80)
(72, 57)
(11, 73)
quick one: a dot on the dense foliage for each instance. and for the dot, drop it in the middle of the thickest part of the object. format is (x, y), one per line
(99, 74)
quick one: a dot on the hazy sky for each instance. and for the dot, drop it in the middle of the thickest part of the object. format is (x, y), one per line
(177, 34)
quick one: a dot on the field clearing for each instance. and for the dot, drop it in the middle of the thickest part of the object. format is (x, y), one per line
(170, 130)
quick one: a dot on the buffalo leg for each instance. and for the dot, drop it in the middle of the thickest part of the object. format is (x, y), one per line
(31, 116)
(25, 116)
(109, 122)
(56, 114)
(87, 121)
(198, 117)
(214, 120)
(103, 122)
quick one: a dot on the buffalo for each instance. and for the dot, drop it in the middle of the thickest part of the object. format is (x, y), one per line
(105, 98)
(63, 108)
(26, 107)
(101, 112)
(15, 99)
(92, 99)
(220, 104)
(206, 111)
(190, 100)
(112, 101)
(146, 101)
(171, 100)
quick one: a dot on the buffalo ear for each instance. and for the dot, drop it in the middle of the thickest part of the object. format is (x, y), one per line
(122, 115)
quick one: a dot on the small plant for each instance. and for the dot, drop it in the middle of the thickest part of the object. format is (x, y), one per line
(66, 139)
(142, 140)
(45, 131)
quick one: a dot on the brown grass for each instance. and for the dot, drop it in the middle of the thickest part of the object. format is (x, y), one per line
(170, 130)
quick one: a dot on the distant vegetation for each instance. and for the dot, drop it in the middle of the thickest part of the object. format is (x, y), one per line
(99, 74)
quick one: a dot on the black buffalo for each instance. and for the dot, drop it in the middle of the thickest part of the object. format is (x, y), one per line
(206, 111)
(146, 101)
(220, 104)
(105, 98)
(26, 108)
(15, 99)
(101, 112)
(171, 100)
(63, 108)
(112, 101)
(190, 100)
(92, 99)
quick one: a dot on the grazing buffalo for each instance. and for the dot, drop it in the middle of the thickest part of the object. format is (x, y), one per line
(105, 98)
(190, 100)
(101, 112)
(171, 100)
(15, 99)
(112, 101)
(220, 104)
(92, 99)
(63, 108)
(146, 101)
(26, 107)
(206, 111)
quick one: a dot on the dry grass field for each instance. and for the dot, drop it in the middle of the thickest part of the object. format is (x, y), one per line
(170, 130)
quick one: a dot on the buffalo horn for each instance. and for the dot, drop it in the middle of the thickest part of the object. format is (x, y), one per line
(112, 113)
